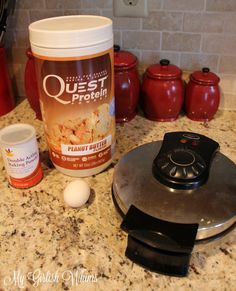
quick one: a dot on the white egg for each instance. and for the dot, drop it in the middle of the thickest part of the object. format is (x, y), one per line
(76, 193)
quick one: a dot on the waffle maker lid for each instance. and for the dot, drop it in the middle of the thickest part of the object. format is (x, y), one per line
(174, 193)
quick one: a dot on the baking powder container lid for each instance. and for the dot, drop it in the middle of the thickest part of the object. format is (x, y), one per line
(18, 133)
(71, 31)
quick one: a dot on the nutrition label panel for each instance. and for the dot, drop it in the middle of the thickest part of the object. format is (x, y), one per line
(81, 162)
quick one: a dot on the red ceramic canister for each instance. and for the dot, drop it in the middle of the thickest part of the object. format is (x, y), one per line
(127, 85)
(31, 86)
(7, 101)
(162, 92)
(202, 95)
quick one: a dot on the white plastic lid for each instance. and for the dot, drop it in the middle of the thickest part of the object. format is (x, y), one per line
(17, 134)
(70, 31)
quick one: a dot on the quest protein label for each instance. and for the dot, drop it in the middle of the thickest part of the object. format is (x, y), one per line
(77, 104)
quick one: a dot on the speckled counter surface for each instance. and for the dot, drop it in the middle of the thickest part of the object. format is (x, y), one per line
(39, 234)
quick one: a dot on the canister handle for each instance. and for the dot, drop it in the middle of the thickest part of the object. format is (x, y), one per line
(164, 62)
(205, 70)
(116, 48)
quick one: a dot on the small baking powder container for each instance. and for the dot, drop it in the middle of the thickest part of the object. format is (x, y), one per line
(20, 154)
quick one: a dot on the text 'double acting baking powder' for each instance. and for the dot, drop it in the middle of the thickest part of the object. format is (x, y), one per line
(21, 156)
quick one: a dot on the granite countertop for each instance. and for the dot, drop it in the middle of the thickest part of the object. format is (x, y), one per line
(43, 240)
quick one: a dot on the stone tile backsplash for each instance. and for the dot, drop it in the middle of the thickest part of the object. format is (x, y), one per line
(191, 34)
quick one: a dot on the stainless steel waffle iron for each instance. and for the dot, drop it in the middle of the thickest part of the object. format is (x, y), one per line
(174, 195)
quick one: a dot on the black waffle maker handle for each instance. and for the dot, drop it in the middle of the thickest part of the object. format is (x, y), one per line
(158, 245)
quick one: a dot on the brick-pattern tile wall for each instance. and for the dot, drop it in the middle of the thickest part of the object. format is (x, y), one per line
(190, 33)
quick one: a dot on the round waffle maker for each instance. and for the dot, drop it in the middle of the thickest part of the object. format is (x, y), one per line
(174, 195)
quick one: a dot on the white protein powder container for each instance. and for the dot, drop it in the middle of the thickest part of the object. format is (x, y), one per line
(74, 69)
